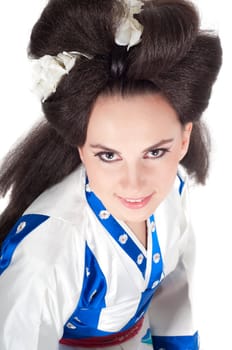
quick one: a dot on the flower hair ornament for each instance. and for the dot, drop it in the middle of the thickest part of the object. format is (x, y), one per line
(130, 30)
(48, 70)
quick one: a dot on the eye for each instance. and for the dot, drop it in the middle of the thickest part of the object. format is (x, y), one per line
(107, 157)
(156, 153)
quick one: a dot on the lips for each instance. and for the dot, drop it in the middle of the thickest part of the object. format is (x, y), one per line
(135, 203)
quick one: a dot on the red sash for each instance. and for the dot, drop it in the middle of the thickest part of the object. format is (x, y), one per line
(109, 340)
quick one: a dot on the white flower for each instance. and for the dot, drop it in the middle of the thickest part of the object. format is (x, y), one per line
(70, 326)
(130, 30)
(104, 214)
(155, 284)
(47, 72)
(156, 258)
(123, 239)
(152, 226)
(21, 227)
(140, 259)
(87, 188)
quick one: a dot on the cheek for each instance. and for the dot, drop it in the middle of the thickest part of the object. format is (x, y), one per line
(99, 182)
(166, 176)
(167, 179)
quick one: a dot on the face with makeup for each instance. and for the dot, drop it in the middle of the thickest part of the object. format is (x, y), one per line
(132, 150)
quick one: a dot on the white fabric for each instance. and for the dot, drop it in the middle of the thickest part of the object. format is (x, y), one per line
(41, 287)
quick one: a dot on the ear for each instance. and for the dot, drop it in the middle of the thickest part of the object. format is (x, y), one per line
(186, 134)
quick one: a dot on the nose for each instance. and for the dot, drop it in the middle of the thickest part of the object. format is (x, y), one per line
(133, 178)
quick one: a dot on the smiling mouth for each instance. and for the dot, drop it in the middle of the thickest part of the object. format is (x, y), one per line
(135, 203)
(134, 200)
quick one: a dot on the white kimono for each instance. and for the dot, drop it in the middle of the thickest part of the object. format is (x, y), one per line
(70, 271)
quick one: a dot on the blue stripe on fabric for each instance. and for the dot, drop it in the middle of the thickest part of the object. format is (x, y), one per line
(181, 186)
(142, 308)
(154, 281)
(116, 231)
(147, 339)
(157, 267)
(190, 342)
(84, 321)
(21, 229)
(85, 318)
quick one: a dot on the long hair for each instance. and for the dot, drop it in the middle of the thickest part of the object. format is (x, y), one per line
(174, 58)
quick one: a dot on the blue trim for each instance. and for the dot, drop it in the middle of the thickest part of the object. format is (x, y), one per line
(147, 338)
(116, 231)
(145, 300)
(84, 321)
(25, 225)
(181, 184)
(157, 267)
(85, 318)
(190, 342)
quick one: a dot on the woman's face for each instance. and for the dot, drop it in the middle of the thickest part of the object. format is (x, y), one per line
(131, 154)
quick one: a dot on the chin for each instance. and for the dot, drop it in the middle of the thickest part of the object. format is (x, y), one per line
(137, 217)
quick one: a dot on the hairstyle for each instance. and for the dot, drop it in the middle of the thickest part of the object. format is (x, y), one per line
(174, 58)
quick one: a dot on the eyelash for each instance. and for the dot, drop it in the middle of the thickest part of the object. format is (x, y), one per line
(163, 151)
(101, 155)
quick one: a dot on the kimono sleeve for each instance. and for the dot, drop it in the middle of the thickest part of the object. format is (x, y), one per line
(37, 293)
(171, 310)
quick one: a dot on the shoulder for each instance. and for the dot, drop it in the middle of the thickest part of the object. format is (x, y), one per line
(65, 200)
(53, 226)
(41, 266)
(41, 241)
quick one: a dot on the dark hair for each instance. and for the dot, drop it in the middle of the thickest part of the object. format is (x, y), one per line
(174, 58)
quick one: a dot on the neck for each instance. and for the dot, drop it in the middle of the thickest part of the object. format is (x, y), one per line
(140, 231)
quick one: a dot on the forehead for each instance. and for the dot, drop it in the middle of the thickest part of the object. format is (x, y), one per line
(142, 101)
(112, 114)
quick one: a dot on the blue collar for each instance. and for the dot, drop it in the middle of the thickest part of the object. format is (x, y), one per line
(123, 238)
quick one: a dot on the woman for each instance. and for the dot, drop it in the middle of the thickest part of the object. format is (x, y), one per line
(98, 249)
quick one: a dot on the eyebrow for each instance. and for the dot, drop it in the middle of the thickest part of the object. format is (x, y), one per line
(159, 144)
(156, 145)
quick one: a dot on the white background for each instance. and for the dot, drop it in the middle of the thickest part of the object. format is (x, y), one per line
(211, 205)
